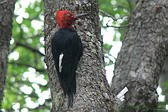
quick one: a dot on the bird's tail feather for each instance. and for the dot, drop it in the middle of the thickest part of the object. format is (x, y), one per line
(71, 92)
(70, 100)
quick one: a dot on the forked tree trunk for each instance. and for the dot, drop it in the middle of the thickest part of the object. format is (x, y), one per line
(142, 55)
(6, 15)
(93, 93)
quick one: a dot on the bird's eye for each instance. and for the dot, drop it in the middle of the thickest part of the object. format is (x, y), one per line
(68, 15)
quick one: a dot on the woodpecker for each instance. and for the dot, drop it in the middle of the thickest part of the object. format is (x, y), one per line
(67, 50)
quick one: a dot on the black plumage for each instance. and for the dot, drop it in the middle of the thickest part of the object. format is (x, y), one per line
(67, 44)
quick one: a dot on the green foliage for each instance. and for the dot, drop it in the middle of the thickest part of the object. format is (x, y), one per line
(27, 81)
(114, 15)
(164, 103)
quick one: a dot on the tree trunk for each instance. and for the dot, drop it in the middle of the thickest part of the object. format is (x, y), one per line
(142, 55)
(6, 14)
(92, 88)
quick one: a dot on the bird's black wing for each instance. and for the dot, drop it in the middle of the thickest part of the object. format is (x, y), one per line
(57, 46)
(55, 51)
(66, 42)
(71, 56)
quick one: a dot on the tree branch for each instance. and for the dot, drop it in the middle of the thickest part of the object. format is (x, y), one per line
(30, 48)
(108, 15)
(28, 65)
(123, 26)
(115, 19)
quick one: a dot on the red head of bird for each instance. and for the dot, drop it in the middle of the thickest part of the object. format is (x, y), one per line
(65, 18)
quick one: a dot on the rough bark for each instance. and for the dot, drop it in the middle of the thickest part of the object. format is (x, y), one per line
(142, 55)
(93, 93)
(6, 14)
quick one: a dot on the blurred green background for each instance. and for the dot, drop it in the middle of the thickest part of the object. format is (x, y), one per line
(27, 88)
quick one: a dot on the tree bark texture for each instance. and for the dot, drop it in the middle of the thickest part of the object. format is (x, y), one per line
(6, 15)
(93, 93)
(142, 56)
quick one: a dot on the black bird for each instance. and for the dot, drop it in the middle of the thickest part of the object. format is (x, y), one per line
(67, 50)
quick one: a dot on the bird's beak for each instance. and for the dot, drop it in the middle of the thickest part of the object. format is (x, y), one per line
(81, 15)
